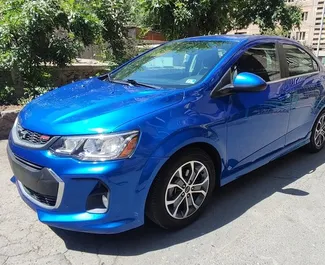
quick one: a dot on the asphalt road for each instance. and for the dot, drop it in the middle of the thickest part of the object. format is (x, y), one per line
(275, 215)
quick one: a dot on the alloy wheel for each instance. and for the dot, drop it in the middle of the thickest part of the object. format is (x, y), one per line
(187, 190)
(319, 136)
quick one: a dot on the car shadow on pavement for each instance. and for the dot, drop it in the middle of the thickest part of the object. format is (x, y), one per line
(228, 204)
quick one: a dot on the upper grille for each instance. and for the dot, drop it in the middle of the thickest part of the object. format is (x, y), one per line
(31, 137)
(45, 199)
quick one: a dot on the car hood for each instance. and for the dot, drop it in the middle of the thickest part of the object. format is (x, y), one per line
(93, 106)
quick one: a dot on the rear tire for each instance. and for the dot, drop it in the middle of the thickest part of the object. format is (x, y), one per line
(317, 138)
(181, 189)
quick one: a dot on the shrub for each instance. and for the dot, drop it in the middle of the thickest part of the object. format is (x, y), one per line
(7, 95)
(36, 33)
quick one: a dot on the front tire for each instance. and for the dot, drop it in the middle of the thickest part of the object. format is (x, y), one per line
(181, 189)
(317, 138)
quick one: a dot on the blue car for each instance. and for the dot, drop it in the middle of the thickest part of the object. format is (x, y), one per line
(155, 137)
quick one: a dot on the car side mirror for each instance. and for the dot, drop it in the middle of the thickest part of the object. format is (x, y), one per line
(248, 82)
(243, 82)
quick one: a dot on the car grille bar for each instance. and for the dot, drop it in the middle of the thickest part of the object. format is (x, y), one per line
(31, 136)
(27, 163)
(45, 199)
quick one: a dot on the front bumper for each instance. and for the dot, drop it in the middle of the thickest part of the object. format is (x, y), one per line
(128, 181)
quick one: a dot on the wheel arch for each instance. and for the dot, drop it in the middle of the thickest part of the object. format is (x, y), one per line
(206, 147)
(210, 150)
(199, 137)
(319, 108)
(203, 145)
(211, 142)
(319, 113)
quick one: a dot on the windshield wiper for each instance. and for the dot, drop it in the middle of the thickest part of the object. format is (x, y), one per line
(118, 81)
(129, 82)
(108, 78)
(136, 83)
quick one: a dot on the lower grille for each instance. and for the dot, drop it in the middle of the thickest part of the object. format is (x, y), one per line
(45, 199)
(27, 163)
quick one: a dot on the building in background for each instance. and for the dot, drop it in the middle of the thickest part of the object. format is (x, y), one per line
(311, 32)
(148, 36)
(144, 40)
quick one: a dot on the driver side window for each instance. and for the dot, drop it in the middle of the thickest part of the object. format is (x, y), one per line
(261, 60)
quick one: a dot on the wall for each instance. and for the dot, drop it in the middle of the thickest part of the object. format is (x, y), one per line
(7, 119)
(61, 76)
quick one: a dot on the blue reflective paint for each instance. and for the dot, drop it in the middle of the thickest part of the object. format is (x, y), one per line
(247, 130)
(247, 80)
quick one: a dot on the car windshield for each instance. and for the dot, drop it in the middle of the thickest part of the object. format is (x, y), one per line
(176, 64)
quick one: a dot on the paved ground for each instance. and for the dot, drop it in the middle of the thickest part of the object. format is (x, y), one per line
(275, 215)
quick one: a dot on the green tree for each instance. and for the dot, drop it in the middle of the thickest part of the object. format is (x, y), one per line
(183, 18)
(115, 15)
(284, 20)
(35, 33)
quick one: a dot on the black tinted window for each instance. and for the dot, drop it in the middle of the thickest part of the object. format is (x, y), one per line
(260, 60)
(299, 61)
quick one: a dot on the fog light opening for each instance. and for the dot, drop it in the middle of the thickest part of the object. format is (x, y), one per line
(98, 199)
(105, 200)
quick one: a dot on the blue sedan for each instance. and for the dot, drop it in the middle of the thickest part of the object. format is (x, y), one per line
(158, 135)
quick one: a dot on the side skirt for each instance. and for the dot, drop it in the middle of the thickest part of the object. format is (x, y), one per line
(265, 160)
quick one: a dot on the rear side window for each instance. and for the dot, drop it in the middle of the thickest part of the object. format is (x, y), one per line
(299, 61)
(260, 60)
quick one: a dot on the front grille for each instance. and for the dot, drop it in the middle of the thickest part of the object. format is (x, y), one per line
(31, 137)
(45, 199)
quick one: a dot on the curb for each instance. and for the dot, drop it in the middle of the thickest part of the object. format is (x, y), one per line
(7, 119)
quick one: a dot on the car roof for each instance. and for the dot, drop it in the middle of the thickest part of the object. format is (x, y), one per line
(237, 38)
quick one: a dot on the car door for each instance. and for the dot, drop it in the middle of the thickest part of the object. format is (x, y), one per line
(304, 86)
(257, 122)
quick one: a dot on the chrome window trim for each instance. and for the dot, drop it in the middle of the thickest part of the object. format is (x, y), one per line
(273, 81)
(280, 59)
(38, 203)
(291, 77)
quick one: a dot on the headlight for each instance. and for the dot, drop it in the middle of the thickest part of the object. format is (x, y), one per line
(97, 147)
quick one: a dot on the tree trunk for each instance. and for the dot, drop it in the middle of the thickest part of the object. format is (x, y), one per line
(193, 30)
(18, 82)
